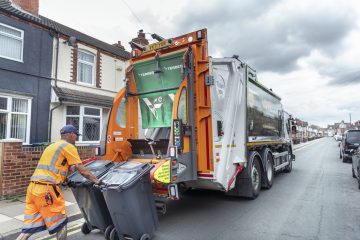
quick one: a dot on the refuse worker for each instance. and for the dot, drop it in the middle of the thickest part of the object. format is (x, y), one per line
(45, 204)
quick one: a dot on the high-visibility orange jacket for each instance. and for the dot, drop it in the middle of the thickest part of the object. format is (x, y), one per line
(54, 163)
(45, 204)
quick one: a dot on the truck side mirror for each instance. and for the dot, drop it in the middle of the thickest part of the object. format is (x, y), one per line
(293, 130)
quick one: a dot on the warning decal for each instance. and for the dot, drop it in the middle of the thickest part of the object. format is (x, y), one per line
(162, 174)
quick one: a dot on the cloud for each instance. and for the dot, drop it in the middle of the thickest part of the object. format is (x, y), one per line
(271, 36)
(346, 79)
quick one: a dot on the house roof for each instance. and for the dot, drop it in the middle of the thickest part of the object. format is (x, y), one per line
(69, 95)
(6, 7)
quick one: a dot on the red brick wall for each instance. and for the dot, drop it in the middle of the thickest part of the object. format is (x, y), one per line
(31, 6)
(18, 164)
(98, 69)
(74, 58)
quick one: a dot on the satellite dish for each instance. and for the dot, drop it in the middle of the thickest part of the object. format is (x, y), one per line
(71, 41)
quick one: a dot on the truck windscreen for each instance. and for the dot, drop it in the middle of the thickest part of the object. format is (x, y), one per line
(157, 82)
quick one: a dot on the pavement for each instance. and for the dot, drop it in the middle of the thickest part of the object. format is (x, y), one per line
(12, 210)
(12, 213)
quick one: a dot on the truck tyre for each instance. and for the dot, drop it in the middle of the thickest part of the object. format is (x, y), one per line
(268, 178)
(288, 168)
(255, 174)
(85, 228)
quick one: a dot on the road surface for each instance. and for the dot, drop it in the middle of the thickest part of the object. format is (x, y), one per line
(319, 199)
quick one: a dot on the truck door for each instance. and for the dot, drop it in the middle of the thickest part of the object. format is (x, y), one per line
(122, 125)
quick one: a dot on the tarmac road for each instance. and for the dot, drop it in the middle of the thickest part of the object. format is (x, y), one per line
(319, 199)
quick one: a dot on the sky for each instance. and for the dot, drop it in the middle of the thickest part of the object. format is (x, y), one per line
(306, 51)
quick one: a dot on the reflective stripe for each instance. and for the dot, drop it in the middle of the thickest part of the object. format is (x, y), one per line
(46, 167)
(64, 173)
(33, 225)
(32, 217)
(57, 224)
(40, 177)
(56, 155)
(51, 167)
(47, 220)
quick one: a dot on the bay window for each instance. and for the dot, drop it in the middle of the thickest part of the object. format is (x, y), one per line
(87, 120)
(15, 118)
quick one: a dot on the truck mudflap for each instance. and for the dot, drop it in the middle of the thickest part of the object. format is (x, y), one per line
(243, 185)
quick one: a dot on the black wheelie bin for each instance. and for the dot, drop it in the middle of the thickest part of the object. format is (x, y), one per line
(129, 197)
(90, 199)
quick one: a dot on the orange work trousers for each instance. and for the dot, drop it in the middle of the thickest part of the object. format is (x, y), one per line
(44, 209)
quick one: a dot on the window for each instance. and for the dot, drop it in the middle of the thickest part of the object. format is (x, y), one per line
(11, 43)
(121, 114)
(86, 67)
(87, 120)
(182, 113)
(15, 118)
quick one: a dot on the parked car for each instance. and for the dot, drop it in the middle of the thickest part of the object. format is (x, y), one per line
(338, 137)
(356, 166)
(349, 144)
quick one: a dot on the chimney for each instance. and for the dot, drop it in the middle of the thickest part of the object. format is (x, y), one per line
(30, 6)
(118, 45)
(141, 39)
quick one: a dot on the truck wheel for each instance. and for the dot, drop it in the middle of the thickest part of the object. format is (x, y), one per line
(255, 174)
(108, 231)
(85, 229)
(269, 175)
(145, 237)
(288, 168)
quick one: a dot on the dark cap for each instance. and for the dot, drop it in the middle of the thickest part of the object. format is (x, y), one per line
(69, 129)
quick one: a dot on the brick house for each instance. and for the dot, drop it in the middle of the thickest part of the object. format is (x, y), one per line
(75, 76)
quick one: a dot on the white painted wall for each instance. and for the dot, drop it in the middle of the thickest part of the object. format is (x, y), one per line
(112, 78)
(59, 120)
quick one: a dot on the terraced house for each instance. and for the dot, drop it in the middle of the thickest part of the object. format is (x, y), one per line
(51, 75)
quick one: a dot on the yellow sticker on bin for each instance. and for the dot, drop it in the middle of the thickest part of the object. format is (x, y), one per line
(162, 174)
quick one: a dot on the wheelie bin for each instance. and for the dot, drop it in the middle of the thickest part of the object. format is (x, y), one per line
(90, 199)
(129, 197)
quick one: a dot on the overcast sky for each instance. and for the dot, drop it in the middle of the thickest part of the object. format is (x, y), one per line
(306, 51)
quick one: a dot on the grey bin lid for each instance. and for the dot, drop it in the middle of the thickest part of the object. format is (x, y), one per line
(123, 174)
(98, 168)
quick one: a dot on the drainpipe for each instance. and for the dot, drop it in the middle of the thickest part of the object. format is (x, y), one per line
(56, 35)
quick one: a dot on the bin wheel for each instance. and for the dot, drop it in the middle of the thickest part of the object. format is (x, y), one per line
(114, 235)
(145, 237)
(108, 231)
(85, 229)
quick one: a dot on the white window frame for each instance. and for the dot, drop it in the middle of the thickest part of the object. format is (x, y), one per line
(87, 63)
(17, 38)
(9, 113)
(81, 121)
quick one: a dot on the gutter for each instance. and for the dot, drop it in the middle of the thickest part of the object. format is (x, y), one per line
(56, 36)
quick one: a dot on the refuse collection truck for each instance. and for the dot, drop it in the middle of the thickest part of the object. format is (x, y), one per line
(203, 122)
